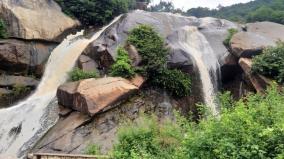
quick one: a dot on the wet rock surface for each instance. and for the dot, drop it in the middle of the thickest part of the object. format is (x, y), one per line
(35, 19)
(10, 81)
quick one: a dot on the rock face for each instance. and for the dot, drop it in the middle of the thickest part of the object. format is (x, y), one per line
(20, 56)
(9, 81)
(87, 64)
(259, 82)
(103, 50)
(256, 37)
(35, 19)
(92, 96)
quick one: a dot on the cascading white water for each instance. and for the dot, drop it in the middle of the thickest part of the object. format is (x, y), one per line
(194, 43)
(22, 125)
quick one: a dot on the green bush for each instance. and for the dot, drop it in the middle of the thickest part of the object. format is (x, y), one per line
(150, 46)
(93, 150)
(270, 63)
(122, 66)
(231, 33)
(174, 81)
(95, 12)
(3, 33)
(78, 74)
(148, 139)
(250, 128)
(154, 61)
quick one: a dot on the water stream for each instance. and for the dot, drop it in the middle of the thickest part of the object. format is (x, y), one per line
(25, 123)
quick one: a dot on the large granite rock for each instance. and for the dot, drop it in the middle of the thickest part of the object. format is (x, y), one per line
(87, 64)
(92, 96)
(259, 82)
(103, 50)
(35, 19)
(10, 81)
(256, 37)
(21, 56)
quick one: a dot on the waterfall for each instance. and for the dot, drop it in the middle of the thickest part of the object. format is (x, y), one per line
(194, 43)
(25, 123)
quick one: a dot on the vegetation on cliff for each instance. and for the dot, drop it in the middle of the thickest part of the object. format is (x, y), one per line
(3, 33)
(271, 63)
(95, 12)
(154, 61)
(122, 66)
(231, 33)
(249, 128)
(77, 74)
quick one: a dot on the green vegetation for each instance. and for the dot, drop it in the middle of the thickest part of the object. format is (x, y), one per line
(231, 33)
(3, 33)
(122, 66)
(78, 74)
(93, 150)
(258, 10)
(271, 63)
(249, 128)
(154, 60)
(95, 12)
(19, 90)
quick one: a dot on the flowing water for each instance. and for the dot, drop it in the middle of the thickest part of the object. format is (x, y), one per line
(194, 43)
(24, 124)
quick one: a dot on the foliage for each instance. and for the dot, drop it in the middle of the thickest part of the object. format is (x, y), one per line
(3, 33)
(95, 12)
(258, 10)
(93, 150)
(78, 74)
(231, 33)
(270, 63)
(174, 81)
(250, 128)
(148, 139)
(19, 90)
(150, 46)
(154, 56)
(122, 66)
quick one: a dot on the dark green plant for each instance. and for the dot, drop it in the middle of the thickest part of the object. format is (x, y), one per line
(95, 12)
(231, 33)
(270, 63)
(122, 66)
(154, 56)
(174, 81)
(3, 31)
(78, 74)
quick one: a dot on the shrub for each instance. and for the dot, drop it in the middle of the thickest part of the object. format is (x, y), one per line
(231, 33)
(148, 139)
(174, 81)
(78, 74)
(3, 33)
(270, 63)
(251, 128)
(122, 66)
(95, 12)
(154, 56)
(150, 46)
(93, 150)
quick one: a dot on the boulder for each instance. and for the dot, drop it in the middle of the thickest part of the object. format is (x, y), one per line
(35, 19)
(92, 96)
(259, 82)
(10, 81)
(257, 37)
(20, 56)
(103, 50)
(87, 64)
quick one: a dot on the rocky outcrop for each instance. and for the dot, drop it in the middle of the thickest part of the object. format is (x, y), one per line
(92, 96)
(259, 82)
(10, 81)
(87, 64)
(103, 50)
(255, 38)
(23, 56)
(35, 19)
(74, 132)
